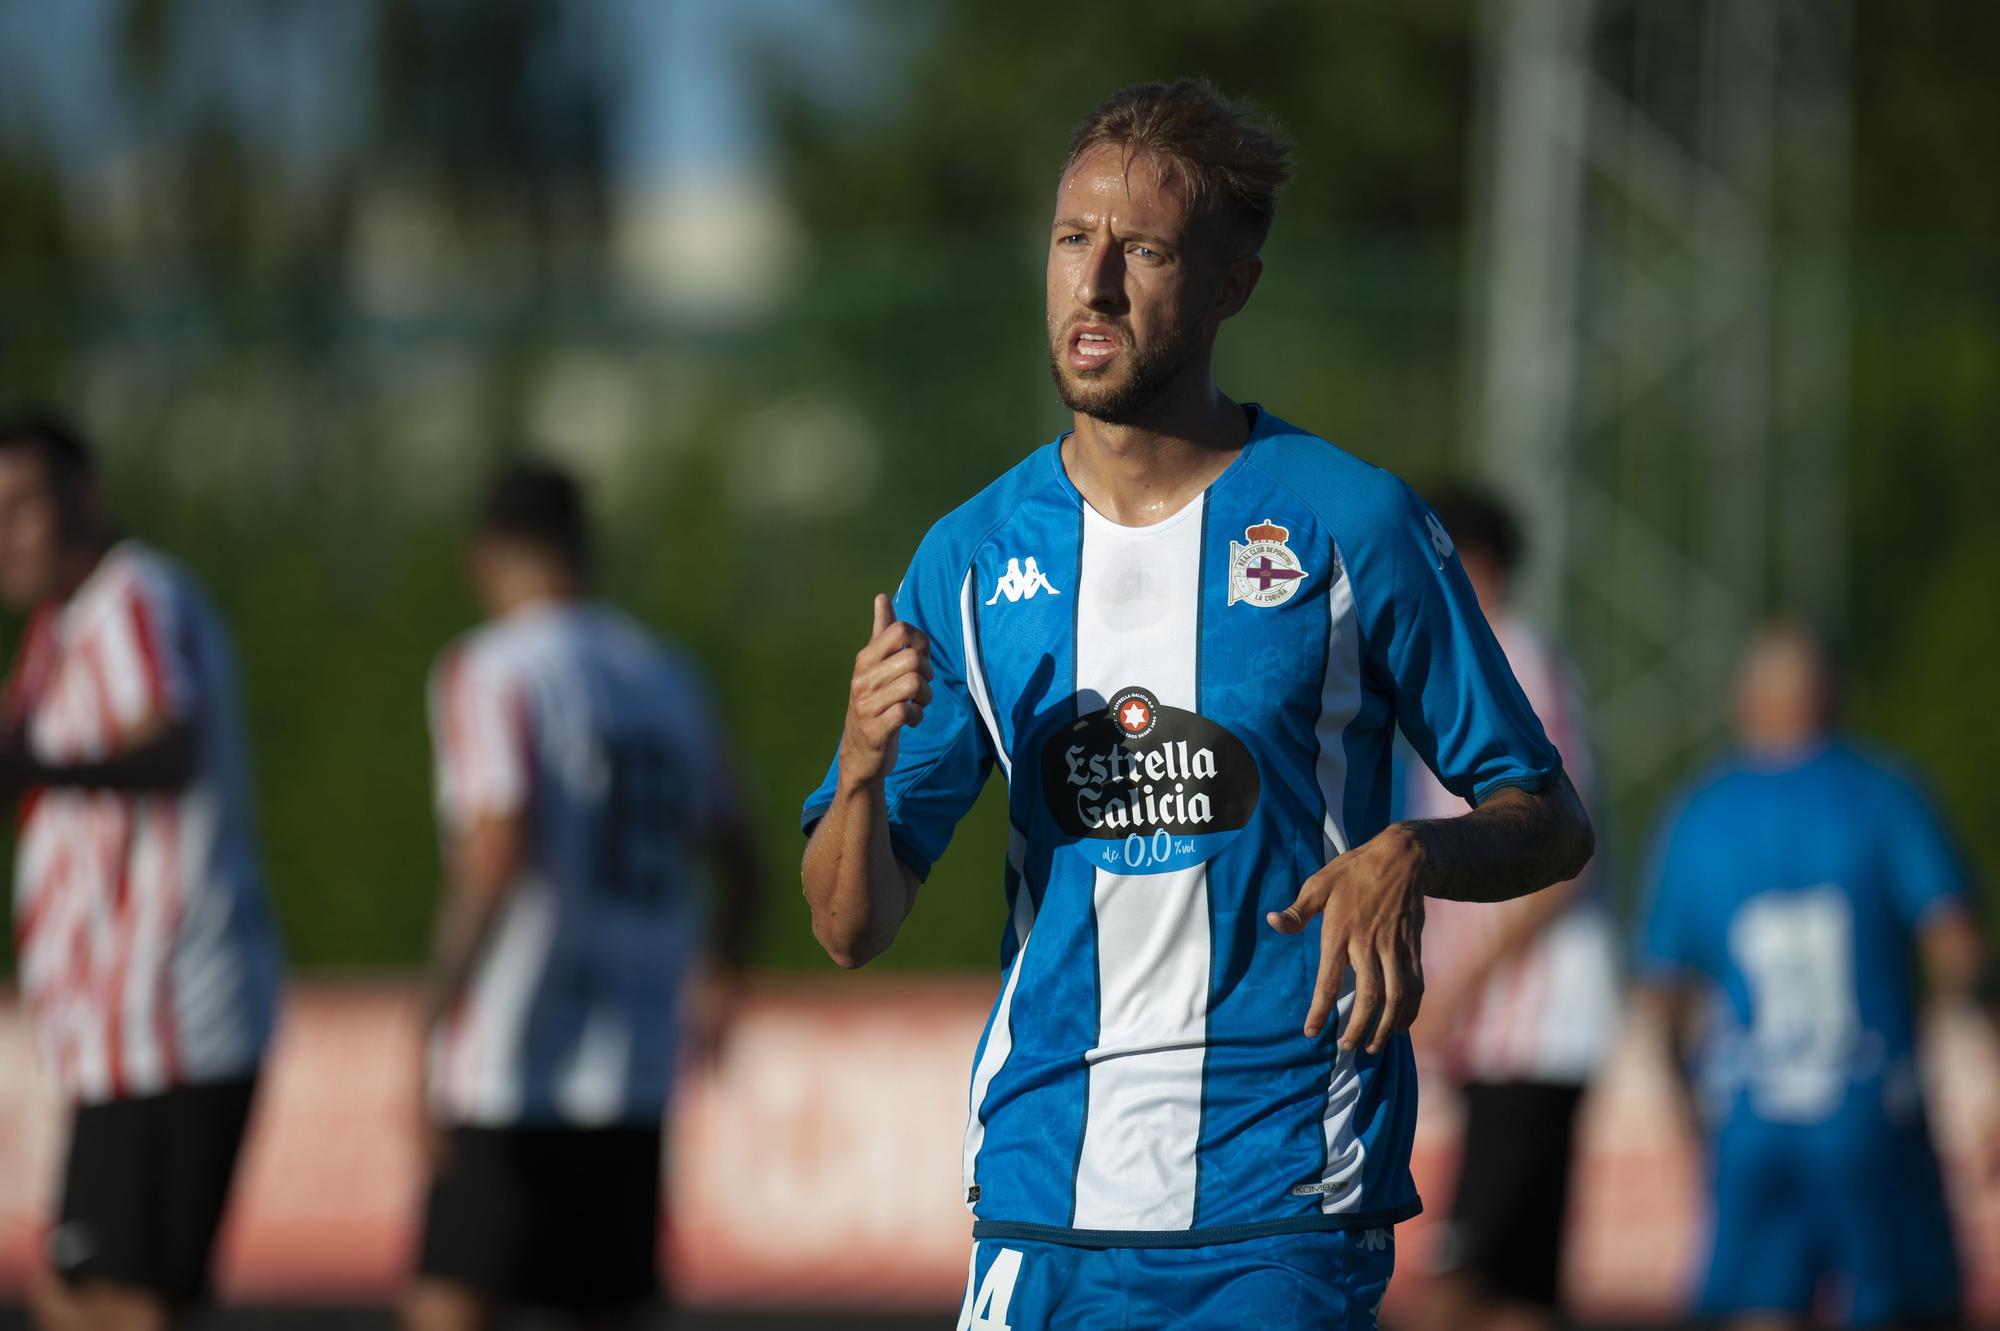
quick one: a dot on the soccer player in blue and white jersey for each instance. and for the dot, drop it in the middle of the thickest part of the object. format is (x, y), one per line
(1796, 885)
(582, 781)
(1185, 632)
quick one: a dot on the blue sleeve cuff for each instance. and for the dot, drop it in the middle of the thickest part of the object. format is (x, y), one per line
(1534, 783)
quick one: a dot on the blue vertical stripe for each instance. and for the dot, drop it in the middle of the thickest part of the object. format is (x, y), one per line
(1034, 1107)
(1262, 1101)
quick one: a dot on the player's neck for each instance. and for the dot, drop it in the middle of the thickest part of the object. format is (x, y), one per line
(525, 594)
(1140, 474)
(78, 562)
(1783, 742)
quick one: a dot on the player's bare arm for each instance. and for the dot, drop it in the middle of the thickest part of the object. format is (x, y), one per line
(482, 861)
(1960, 974)
(160, 754)
(860, 893)
(1371, 900)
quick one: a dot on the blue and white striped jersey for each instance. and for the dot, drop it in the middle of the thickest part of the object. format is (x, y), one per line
(1193, 717)
(603, 738)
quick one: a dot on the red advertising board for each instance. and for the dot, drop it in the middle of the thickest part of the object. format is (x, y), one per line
(818, 1165)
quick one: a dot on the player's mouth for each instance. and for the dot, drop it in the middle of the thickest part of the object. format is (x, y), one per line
(1092, 347)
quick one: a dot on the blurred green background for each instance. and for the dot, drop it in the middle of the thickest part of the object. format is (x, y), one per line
(768, 276)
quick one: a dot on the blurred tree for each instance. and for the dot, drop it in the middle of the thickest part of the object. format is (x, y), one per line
(307, 269)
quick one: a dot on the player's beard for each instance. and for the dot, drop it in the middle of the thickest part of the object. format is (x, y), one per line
(1149, 373)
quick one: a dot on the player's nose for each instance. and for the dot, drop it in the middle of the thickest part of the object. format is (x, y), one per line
(1100, 280)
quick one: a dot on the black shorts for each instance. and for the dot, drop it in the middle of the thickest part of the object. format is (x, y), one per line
(1506, 1224)
(145, 1185)
(560, 1217)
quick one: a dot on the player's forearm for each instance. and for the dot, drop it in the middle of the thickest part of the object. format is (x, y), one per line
(161, 757)
(1958, 965)
(860, 893)
(484, 858)
(465, 922)
(1515, 843)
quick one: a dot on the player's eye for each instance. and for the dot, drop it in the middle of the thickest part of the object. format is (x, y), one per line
(1148, 253)
(1076, 236)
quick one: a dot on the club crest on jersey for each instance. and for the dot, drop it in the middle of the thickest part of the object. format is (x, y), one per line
(1264, 572)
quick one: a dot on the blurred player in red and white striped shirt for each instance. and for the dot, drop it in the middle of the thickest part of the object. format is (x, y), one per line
(146, 958)
(1522, 1001)
(582, 781)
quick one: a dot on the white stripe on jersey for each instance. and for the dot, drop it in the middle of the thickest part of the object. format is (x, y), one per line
(1000, 1040)
(1138, 623)
(975, 673)
(1340, 701)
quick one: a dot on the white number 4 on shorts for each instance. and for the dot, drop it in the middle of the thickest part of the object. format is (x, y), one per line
(987, 1309)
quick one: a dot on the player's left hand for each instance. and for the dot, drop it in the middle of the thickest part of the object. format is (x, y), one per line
(1371, 907)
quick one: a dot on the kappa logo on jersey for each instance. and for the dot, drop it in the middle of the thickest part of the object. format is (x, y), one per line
(1142, 787)
(1021, 581)
(1373, 1240)
(1265, 572)
(1440, 538)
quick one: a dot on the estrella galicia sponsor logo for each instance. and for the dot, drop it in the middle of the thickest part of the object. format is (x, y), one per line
(1140, 787)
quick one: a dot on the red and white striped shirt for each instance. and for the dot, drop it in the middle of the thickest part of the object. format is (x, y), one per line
(1548, 1012)
(146, 957)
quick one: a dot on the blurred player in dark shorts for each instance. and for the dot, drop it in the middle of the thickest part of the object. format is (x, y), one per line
(1795, 888)
(582, 781)
(147, 962)
(1523, 997)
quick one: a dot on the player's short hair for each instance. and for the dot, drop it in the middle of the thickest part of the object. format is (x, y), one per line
(1478, 520)
(1227, 162)
(538, 504)
(66, 458)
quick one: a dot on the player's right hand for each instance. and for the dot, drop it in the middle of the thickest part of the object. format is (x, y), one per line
(890, 689)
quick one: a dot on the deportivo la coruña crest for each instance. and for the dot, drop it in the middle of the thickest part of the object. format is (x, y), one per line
(1264, 572)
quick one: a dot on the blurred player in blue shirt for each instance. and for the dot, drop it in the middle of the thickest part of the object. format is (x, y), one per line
(1186, 632)
(1796, 886)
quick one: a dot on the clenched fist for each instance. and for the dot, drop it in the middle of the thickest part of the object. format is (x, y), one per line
(890, 689)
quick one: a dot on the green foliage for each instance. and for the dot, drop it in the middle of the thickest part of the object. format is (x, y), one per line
(307, 448)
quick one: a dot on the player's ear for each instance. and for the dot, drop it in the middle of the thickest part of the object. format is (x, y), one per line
(1239, 279)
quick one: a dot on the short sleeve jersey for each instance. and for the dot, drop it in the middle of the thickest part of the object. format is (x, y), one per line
(1795, 891)
(574, 719)
(147, 955)
(1192, 717)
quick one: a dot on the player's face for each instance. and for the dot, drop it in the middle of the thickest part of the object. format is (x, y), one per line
(1133, 287)
(30, 530)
